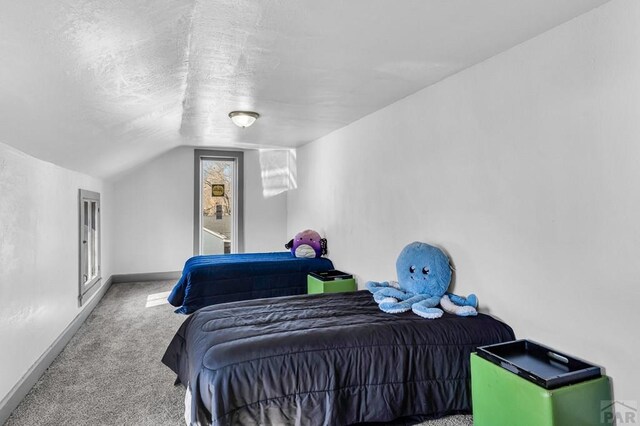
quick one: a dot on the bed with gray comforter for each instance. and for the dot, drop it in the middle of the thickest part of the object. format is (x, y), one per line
(329, 359)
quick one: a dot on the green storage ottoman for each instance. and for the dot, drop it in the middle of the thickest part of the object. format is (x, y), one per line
(502, 398)
(330, 282)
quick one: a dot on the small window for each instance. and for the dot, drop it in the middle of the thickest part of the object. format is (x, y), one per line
(90, 239)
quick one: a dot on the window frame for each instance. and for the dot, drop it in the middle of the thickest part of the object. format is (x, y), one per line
(87, 288)
(238, 158)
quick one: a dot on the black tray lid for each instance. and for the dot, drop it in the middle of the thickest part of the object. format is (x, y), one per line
(331, 275)
(539, 364)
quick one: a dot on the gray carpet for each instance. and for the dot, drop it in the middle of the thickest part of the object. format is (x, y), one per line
(110, 372)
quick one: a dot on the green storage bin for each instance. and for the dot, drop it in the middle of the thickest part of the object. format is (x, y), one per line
(330, 282)
(502, 398)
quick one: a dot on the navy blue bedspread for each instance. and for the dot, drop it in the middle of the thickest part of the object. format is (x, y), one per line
(326, 359)
(209, 280)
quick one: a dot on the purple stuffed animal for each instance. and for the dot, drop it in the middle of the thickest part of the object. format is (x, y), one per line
(308, 244)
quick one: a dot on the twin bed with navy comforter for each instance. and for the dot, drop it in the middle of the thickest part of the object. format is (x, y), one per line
(328, 359)
(208, 280)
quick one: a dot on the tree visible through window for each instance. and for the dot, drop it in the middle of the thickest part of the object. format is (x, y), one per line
(217, 173)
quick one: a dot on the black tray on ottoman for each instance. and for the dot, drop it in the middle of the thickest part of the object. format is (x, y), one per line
(539, 364)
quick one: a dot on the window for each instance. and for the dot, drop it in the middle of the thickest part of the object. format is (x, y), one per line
(89, 247)
(218, 202)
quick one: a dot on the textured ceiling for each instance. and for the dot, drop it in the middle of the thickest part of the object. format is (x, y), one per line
(102, 85)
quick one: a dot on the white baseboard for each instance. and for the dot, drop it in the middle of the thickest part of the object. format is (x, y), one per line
(24, 385)
(149, 276)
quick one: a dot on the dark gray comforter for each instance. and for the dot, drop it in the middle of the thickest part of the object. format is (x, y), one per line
(328, 359)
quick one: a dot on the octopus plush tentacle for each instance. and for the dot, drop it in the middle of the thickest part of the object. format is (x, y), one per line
(401, 306)
(460, 310)
(374, 286)
(424, 312)
(394, 292)
(470, 300)
(386, 292)
(427, 308)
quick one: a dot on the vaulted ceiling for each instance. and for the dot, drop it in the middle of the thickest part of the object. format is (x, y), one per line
(99, 86)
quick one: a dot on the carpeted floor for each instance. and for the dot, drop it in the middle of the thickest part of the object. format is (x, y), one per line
(110, 372)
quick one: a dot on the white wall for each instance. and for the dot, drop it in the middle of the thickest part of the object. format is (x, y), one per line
(265, 218)
(39, 256)
(154, 217)
(525, 168)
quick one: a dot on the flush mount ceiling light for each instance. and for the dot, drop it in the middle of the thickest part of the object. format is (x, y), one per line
(243, 118)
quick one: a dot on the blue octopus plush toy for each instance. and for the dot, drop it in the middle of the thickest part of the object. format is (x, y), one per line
(424, 275)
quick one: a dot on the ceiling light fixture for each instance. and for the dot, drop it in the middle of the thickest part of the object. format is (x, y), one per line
(243, 118)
